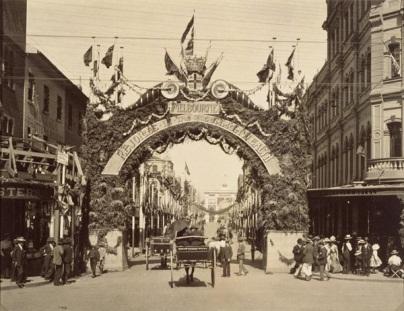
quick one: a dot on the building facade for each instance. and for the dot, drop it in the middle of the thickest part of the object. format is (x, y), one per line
(157, 196)
(356, 106)
(216, 200)
(40, 114)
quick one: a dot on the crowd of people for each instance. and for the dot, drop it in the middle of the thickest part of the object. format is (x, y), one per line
(356, 256)
(56, 260)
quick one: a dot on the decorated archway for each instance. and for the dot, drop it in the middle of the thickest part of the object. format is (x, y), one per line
(190, 106)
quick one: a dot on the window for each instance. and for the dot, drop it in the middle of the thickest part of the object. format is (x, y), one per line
(31, 86)
(351, 88)
(394, 50)
(4, 124)
(45, 99)
(69, 116)
(395, 138)
(59, 108)
(363, 74)
(10, 127)
(368, 68)
(351, 19)
(9, 68)
(80, 127)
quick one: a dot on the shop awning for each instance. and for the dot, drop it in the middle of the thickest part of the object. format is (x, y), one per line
(357, 191)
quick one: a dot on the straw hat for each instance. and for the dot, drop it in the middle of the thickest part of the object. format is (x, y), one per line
(394, 252)
(348, 237)
(361, 241)
(332, 238)
(316, 238)
(20, 239)
(326, 240)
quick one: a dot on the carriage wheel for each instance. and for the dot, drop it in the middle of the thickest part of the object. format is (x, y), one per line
(171, 268)
(212, 271)
(147, 258)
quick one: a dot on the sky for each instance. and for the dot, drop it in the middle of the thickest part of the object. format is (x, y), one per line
(244, 30)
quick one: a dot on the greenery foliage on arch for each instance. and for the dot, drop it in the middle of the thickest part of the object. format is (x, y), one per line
(289, 141)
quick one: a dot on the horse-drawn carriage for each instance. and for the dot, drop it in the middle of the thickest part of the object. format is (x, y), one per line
(191, 251)
(159, 246)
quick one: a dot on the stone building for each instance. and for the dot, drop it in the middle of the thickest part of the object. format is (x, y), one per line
(356, 105)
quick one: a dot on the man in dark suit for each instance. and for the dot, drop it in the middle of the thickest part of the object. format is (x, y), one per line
(308, 259)
(226, 253)
(366, 255)
(47, 266)
(58, 262)
(67, 259)
(19, 261)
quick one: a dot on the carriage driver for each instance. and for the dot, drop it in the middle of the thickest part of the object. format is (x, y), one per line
(193, 231)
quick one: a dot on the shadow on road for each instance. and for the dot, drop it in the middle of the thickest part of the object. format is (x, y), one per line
(182, 282)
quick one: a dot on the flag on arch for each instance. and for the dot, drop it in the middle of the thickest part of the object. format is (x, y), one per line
(172, 68)
(290, 65)
(187, 169)
(266, 73)
(188, 38)
(107, 60)
(88, 56)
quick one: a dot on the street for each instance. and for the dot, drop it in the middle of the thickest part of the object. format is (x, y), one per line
(138, 289)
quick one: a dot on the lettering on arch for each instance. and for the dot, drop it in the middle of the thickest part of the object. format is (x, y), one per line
(120, 156)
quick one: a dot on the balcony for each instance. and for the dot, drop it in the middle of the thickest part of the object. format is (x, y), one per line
(388, 170)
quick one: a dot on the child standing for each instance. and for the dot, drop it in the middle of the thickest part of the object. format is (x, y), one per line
(241, 256)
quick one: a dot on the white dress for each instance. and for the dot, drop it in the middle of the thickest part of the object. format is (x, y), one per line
(375, 260)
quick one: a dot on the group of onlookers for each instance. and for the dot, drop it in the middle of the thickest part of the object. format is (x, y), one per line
(57, 259)
(355, 256)
(225, 254)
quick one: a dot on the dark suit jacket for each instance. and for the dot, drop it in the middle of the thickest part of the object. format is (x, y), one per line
(308, 256)
(67, 254)
(226, 253)
(18, 256)
(322, 255)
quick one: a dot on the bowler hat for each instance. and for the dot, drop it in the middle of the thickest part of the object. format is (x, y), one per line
(67, 241)
(20, 239)
(50, 240)
(326, 240)
(394, 252)
(241, 238)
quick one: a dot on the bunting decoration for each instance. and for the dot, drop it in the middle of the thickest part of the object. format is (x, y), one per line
(107, 60)
(267, 71)
(188, 37)
(290, 65)
(88, 56)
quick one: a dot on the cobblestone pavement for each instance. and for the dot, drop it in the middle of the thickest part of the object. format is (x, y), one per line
(138, 289)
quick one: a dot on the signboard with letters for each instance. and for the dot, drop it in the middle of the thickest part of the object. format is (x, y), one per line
(201, 107)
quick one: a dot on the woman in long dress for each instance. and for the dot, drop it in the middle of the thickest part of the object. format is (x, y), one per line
(375, 261)
(335, 266)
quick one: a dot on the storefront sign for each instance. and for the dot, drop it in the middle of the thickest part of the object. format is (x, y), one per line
(258, 146)
(62, 158)
(201, 107)
(24, 193)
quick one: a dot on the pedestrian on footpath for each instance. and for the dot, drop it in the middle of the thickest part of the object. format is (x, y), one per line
(18, 259)
(47, 267)
(366, 255)
(103, 253)
(375, 261)
(94, 257)
(67, 259)
(297, 256)
(347, 254)
(226, 253)
(322, 261)
(241, 256)
(58, 262)
(308, 260)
